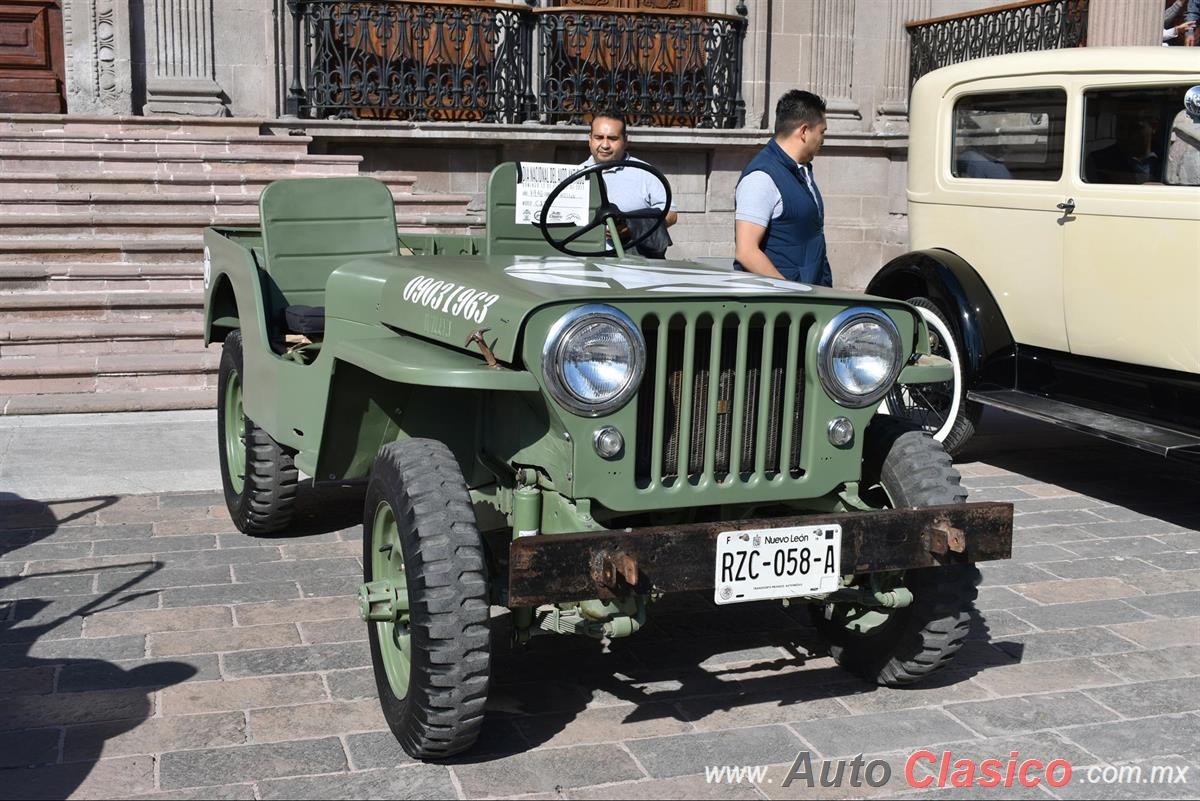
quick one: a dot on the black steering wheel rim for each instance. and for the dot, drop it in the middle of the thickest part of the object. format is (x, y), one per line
(606, 210)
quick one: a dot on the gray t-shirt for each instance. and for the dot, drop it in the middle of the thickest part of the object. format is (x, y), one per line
(759, 201)
(633, 189)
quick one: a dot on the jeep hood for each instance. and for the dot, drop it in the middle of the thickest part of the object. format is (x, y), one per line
(446, 298)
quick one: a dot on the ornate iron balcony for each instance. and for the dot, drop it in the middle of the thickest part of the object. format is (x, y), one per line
(1012, 28)
(446, 60)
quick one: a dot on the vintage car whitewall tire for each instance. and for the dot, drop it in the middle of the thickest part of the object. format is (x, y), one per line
(432, 662)
(912, 470)
(957, 423)
(257, 473)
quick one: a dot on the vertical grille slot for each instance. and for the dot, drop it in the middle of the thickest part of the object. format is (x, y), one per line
(722, 397)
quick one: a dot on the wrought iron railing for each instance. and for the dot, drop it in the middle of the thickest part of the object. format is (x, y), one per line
(1012, 28)
(476, 61)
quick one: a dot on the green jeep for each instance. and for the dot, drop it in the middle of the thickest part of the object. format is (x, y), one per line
(571, 433)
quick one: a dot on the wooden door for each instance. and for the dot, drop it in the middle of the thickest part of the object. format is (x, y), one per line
(32, 77)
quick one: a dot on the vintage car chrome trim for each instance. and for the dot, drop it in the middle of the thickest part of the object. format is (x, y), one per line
(552, 362)
(825, 357)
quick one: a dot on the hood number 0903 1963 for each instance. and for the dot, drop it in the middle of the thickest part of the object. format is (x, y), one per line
(451, 298)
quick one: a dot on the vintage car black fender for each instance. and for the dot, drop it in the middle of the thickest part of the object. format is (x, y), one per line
(989, 353)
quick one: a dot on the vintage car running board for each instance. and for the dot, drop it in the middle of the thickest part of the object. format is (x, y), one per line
(1146, 436)
(552, 568)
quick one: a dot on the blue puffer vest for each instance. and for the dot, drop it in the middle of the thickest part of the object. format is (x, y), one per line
(795, 241)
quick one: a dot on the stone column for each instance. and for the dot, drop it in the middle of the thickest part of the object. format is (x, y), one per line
(831, 61)
(96, 45)
(179, 59)
(1124, 22)
(893, 110)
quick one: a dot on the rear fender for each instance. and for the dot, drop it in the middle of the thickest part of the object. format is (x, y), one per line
(989, 353)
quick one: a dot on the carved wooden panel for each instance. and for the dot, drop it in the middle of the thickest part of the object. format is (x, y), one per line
(682, 6)
(31, 56)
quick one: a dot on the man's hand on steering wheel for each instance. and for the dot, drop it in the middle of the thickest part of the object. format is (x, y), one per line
(606, 211)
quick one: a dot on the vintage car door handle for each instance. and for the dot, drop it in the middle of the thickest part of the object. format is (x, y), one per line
(1068, 207)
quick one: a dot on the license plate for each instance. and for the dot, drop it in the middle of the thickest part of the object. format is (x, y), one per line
(777, 563)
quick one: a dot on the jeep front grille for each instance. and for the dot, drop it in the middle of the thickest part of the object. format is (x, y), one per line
(720, 401)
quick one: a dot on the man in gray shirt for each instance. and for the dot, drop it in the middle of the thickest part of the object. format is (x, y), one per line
(629, 190)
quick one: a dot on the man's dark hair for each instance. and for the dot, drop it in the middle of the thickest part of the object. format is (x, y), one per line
(797, 108)
(611, 115)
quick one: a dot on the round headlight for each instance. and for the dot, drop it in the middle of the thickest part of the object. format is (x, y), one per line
(859, 356)
(593, 360)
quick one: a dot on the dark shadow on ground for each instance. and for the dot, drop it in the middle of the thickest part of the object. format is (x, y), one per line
(40, 680)
(324, 509)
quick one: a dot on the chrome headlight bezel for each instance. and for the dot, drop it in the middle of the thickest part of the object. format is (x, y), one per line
(829, 334)
(552, 362)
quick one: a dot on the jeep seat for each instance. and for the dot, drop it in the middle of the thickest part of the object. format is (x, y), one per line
(507, 237)
(312, 226)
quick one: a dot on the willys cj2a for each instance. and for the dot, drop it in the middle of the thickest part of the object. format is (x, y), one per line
(568, 431)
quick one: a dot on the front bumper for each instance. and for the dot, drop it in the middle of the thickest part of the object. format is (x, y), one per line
(554, 568)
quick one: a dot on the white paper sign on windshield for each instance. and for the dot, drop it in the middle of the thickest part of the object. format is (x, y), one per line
(538, 180)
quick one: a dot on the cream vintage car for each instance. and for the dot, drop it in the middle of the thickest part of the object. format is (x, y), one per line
(1054, 216)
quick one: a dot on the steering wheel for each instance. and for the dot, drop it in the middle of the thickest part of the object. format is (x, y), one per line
(606, 211)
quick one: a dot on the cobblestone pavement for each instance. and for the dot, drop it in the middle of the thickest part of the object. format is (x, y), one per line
(148, 649)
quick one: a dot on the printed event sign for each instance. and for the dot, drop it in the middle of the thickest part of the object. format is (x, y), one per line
(538, 180)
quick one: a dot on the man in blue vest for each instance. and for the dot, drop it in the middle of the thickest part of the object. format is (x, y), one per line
(779, 219)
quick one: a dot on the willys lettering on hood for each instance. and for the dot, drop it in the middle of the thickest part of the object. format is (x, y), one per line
(448, 298)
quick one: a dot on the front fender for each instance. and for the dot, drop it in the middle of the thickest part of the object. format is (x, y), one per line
(989, 352)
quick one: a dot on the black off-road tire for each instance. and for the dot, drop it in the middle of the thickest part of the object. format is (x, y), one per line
(966, 421)
(914, 470)
(266, 502)
(444, 562)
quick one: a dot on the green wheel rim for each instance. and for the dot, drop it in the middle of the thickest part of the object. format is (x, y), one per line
(387, 563)
(235, 433)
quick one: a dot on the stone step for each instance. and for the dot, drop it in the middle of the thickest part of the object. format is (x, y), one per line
(150, 400)
(280, 165)
(117, 142)
(123, 228)
(213, 204)
(165, 126)
(45, 184)
(74, 338)
(63, 276)
(50, 250)
(101, 306)
(109, 372)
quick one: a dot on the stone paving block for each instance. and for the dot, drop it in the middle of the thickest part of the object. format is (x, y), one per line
(218, 696)
(202, 767)
(64, 709)
(45, 587)
(1017, 715)
(350, 685)
(35, 551)
(227, 534)
(1176, 580)
(314, 720)
(1162, 697)
(1141, 547)
(190, 500)
(92, 674)
(108, 778)
(176, 643)
(297, 659)
(1063, 644)
(944, 687)
(1034, 554)
(1054, 617)
(153, 545)
(1076, 590)
(1079, 517)
(41, 626)
(295, 571)
(46, 652)
(228, 792)
(547, 770)
(798, 788)
(1161, 633)
(1163, 663)
(154, 735)
(880, 733)
(1000, 494)
(1174, 560)
(167, 577)
(288, 611)
(680, 788)
(232, 556)
(602, 725)
(27, 681)
(416, 781)
(86, 533)
(1043, 746)
(328, 631)
(802, 703)
(1041, 677)
(21, 749)
(111, 624)
(1171, 605)
(380, 749)
(320, 550)
(1135, 528)
(1134, 739)
(1120, 566)
(1066, 503)
(1050, 535)
(997, 598)
(1006, 574)
(222, 594)
(999, 623)
(345, 586)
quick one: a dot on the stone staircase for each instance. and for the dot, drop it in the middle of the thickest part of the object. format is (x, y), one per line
(101, 224)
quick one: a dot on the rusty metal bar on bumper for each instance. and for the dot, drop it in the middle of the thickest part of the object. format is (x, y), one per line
(551, 568)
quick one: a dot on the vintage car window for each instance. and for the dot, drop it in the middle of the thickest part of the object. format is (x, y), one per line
(1010, 135)
(1140, 136)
